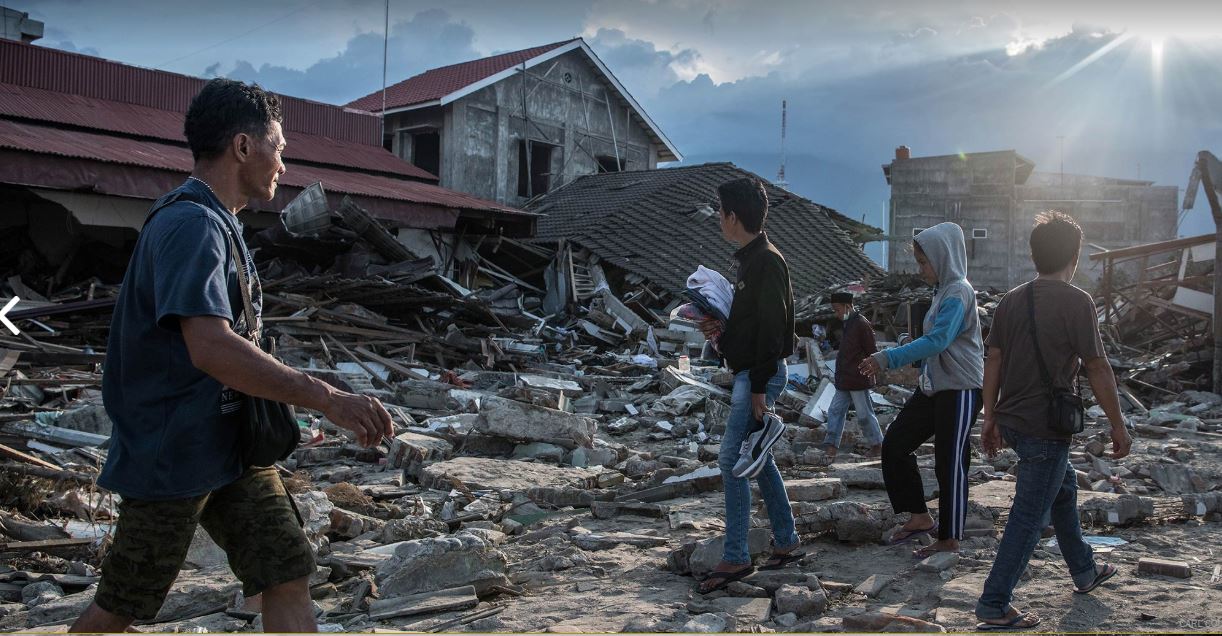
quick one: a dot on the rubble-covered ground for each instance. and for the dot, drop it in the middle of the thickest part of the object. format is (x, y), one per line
(492, 511)
(558, 473)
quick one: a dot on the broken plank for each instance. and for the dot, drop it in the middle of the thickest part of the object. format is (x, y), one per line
(47, 473)
(391, 364)
(457, 598)
(13, 453)
(48, 544)
(54, 434)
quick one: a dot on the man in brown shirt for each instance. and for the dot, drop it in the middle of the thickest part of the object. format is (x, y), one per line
(1016, 414)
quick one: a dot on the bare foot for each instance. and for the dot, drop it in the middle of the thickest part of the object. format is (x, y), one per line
(919, 523)
(945, 545)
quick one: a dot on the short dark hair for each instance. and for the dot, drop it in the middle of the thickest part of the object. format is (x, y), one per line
(224, 108)
(1056, 241)
(746, 199)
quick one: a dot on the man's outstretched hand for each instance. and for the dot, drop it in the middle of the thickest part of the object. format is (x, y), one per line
(361, 414)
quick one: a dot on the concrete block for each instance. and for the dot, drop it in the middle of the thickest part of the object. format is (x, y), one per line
(427, 565)
(802, 601)
(817, 489)
(527, 422)
(874, 585)
(939, 561)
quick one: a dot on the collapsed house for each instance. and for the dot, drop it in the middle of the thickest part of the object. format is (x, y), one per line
(87, 144)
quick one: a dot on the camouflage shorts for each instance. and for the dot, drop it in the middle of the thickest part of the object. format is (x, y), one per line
(252, 519)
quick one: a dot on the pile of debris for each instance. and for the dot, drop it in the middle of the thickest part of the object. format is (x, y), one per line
(551, 469)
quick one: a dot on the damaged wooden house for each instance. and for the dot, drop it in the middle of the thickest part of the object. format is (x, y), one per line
(86, 144)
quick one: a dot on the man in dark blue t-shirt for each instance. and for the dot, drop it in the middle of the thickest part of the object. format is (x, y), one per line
(177, 375)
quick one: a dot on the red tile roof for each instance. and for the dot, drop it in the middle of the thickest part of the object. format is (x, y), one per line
(439, 82)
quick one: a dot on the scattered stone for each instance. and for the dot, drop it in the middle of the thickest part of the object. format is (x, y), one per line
(801, 601)
(481, 473)
(611, 509)
(595, 541)
(939, 561)
(1164, 567)
(707, 553)
(874, 585)
(708, 623)
(453, 599)
(1176, 479)
(1118, 510)
(867, 476)
(36, 594)
(814, 489)
(527, 422)
(880, 622)
(411, 451)
(541, 451)
(90, 418)
(426, 565)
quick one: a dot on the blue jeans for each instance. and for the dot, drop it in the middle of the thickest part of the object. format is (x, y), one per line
(1047, 490)
(860, 400)
(738, 492)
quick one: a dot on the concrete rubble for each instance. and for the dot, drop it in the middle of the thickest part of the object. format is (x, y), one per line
(541, 468)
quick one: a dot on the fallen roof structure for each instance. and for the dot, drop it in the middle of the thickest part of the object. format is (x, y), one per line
(661, 224)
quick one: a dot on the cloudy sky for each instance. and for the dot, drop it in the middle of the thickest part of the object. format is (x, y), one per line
(1132, 88)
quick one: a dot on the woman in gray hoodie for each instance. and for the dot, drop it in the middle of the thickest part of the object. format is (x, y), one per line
(946, 406)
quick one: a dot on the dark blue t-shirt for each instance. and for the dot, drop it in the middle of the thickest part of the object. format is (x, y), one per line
(175, 427)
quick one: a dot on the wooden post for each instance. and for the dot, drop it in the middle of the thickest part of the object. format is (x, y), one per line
(1210, 170)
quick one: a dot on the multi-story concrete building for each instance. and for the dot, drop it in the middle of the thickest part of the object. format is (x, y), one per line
(517, 125)
(995, 197)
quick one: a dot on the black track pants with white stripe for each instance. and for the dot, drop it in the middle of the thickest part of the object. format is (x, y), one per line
(948, 417)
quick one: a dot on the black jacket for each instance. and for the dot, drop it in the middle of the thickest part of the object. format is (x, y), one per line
(759, 331)
(856, 343)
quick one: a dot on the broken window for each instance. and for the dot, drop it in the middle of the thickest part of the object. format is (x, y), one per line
(534, 168)
(608, 163)
(426, 151)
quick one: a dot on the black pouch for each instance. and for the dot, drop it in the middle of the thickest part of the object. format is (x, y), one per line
(270, 432)
(1067, 412)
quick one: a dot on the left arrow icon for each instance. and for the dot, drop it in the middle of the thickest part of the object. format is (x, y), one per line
(4, 315)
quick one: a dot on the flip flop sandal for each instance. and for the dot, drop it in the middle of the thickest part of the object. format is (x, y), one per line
(778, 561)
(1108, 572)
(905, 536)
(724, 578)
(1024, 620)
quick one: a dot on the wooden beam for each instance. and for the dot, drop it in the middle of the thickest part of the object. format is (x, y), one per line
(13, 453)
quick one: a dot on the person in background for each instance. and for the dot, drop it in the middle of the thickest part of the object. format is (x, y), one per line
(1016, 414)
(852, 386)
(948, 400)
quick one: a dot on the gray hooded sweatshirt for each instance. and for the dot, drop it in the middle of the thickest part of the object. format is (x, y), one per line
(951, 351)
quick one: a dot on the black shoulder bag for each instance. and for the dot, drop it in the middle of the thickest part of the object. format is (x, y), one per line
(1066, 412)
(269, 432)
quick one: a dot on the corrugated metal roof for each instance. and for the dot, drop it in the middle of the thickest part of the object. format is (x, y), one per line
(649, 222)
(150, 154)
(72, 73)
(134, 119)
(439, 82)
